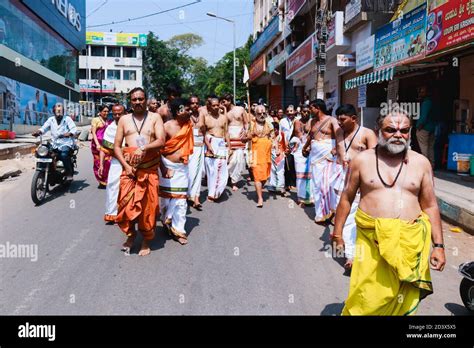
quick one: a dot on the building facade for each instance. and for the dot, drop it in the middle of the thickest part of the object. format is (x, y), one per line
(39, 45)
(111, 65)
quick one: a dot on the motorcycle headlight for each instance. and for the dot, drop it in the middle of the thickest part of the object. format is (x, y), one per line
(42, 151)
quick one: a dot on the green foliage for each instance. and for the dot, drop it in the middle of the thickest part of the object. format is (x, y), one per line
(167, 61)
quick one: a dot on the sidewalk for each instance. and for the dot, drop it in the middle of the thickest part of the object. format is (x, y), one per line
(455, 195)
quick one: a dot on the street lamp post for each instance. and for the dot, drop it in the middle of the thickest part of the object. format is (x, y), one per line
(233, 27)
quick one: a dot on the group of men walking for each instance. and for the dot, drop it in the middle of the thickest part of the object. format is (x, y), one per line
(373, 188)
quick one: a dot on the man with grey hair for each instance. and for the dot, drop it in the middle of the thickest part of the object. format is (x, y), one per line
(397, 216)
(153, 105)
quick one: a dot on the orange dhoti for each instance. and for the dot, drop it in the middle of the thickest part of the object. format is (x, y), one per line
(138, 197)
(261, 158)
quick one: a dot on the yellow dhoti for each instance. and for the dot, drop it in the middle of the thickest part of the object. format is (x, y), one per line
(390, 273)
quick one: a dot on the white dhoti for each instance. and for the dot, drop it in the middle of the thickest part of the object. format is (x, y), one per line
(113, 187)
(277, 173)
(236, 164)
(173, 193)
(196, 167)
(323, 173)
(216, 168)
(304, 182)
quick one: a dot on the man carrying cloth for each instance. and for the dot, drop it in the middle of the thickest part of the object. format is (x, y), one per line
(238, 124)
(260, 133)
(138, 198)
(396, 218)
(216, 138)
(115, 170)
(174, 169)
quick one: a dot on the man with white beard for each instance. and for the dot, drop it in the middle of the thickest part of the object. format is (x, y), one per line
(397, 216)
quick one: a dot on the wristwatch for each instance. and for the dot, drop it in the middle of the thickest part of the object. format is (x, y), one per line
(438, 245)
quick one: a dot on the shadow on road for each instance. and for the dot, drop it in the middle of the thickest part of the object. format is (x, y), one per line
(456, 309)
(328, 249)
(333, 309)
(60, 190)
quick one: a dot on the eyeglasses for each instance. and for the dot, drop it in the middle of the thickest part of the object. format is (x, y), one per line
(391, 130)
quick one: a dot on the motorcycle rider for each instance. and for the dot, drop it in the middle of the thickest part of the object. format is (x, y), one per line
(63, 129)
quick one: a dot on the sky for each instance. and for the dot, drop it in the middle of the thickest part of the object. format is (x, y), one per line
(217, 33)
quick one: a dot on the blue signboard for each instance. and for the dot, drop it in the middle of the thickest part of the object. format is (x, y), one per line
(402, 40)
(272, 29)
(66, 17)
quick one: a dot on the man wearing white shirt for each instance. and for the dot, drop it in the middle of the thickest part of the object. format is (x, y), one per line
(63, 130)
(287, 126)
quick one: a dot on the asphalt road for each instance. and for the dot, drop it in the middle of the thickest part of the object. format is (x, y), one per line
(239, 260)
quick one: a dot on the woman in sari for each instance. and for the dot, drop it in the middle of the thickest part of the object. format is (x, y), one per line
(98, 126)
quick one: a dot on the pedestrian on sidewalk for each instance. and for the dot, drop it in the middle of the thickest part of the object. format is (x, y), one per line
(98, 126)
(396, 219)
(426, 124)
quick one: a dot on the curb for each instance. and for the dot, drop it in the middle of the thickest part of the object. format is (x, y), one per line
(457, 215)
(13, 152)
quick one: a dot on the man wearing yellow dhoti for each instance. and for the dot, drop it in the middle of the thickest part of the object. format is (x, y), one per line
(397, 216)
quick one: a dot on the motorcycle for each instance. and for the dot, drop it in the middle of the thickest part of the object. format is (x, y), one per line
(49, 171)
(466, 289)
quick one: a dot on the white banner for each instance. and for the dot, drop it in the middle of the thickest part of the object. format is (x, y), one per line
(365, 54)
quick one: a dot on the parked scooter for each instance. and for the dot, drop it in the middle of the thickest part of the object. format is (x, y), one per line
(50, 170)
(466, 289)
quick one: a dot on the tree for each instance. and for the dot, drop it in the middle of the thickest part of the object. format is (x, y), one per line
(185, 42)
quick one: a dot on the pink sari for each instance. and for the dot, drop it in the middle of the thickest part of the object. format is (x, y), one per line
(100, 131)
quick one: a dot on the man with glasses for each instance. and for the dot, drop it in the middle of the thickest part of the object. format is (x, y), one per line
(397, 217)
(144, 136)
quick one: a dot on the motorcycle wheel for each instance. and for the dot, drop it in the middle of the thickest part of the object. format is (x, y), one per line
(38, 188)
(466, 289)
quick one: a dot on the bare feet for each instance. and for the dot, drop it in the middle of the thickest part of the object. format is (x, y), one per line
(197, 205)
(260, 203)
(234, 188)
(127, 246)
(182, 241)
(348, 264)
(145, 249)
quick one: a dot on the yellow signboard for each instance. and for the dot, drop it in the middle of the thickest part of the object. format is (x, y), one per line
(115, 39)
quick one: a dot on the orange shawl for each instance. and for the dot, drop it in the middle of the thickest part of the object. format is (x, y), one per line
(184, 140)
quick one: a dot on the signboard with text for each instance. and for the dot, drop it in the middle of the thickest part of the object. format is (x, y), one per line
(402, 40)
(257, 68)
(272, 29)
(365, 54)
(346, 60)
(116, 39)
(301, 57)
(449, 24)
(353, 8)
(293, 7)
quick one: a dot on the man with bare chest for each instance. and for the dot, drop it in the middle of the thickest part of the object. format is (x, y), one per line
(196, 160)
(356, 140)
(173, 91)
(324, 136)
(216, 138)
(138, 198)
(397, 218)
(174, 173)
(238, 126)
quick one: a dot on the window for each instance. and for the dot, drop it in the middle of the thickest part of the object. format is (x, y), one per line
(97, 51)
(113, 51)
(130, 52)
(84, 52)
(95, 74)
(83, 74)
(129, 75)
(113, 74)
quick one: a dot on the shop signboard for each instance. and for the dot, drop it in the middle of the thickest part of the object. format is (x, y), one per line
(300, 57)
(272, 29)
(116, 39)
(346, 60)
(293, 7)
(276, 61)
(93, 86)
(336, 31)
(449, 24)
(66, 17)
(362, 96)
(353, 8)
(365, 54)
(257, 68)
(402, 40)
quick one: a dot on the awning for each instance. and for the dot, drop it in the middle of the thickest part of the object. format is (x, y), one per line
(373, 77)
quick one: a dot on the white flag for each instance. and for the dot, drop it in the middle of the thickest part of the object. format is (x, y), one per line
(246, 74)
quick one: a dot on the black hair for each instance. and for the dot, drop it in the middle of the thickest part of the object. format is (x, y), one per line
(276, 125)
(137, 89)
(228, 97)
(178, 104)
(101, 107)
(320, 104)
(346, 109)
(173, 89)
